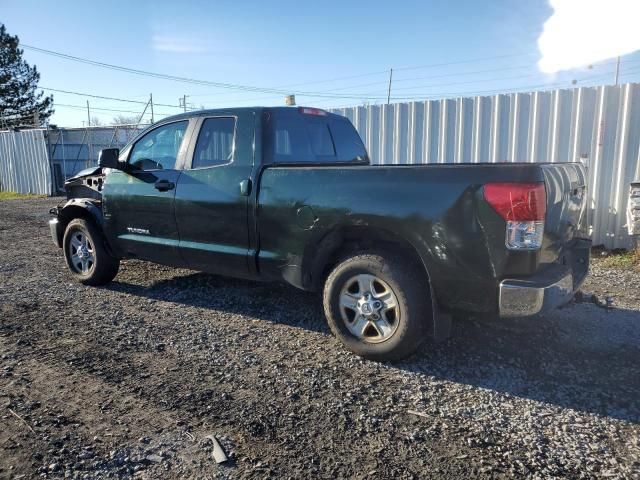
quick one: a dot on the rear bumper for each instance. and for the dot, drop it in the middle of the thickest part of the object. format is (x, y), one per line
(544, 291)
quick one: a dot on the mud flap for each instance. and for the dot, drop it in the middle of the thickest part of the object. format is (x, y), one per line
(441, 321)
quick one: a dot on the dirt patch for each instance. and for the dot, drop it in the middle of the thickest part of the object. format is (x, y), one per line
(128, 380)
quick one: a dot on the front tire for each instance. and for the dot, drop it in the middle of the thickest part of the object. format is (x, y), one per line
(86, 255)
(378, 306)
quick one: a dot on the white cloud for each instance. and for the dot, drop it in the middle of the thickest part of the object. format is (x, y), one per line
(581, 32)
(178, 44)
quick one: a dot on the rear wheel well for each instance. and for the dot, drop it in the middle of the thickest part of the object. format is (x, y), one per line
(350, 241)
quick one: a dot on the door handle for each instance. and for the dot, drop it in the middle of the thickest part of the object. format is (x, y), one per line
(164, 185)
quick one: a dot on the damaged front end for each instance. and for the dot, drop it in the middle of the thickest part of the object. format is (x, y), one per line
(84, 199)
(86, 184)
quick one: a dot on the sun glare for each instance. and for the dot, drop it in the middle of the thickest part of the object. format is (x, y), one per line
(581, 32)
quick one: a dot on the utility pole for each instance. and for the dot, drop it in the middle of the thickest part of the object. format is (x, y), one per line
(618, 71)
(151, 103)
(184, 102)
(88, 115)
(389, 90)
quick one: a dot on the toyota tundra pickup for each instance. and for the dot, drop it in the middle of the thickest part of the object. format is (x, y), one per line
(289, 194)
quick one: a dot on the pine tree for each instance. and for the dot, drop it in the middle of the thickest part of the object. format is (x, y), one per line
(20, 103)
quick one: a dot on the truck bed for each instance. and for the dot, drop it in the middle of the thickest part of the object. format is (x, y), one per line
(439, 209)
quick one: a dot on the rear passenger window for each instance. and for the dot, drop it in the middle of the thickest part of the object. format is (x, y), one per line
(301, 140)
(291, 137)
(215, 142)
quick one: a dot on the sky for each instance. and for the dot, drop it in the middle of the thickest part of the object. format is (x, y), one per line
(329, 54)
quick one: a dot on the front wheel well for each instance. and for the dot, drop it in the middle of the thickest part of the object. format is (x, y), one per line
(72, 212)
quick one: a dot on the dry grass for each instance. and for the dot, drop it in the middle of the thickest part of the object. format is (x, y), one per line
(14, 195)
(622, 260)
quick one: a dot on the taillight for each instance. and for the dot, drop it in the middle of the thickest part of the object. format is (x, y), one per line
(313, 111)
(523, 206)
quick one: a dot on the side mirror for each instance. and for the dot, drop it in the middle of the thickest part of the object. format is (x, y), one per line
(108, 158)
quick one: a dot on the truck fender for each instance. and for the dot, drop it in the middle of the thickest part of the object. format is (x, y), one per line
(74, 208)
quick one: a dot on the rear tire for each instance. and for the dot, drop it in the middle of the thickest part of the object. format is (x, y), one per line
(86, 255)
(378, 306)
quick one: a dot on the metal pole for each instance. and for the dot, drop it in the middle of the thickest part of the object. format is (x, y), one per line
(113, 137)
(389, 90)
(151, 102)
(142, 115)
(184, 102)
(88, 115)
(54, 186)
(64, 157)
(618, 71)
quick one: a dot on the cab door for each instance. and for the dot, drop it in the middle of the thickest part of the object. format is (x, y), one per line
(138, 204)
(212, 195)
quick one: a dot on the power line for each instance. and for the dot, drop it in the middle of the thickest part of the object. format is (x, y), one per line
(460, 62)
(521, 89)
(150, 74)
(413, 97)
(460, 74)
(239, 86)
(385, 72)
(139, 102)
(343, 88)
(326, 94)
(385, 82)
(104, 109)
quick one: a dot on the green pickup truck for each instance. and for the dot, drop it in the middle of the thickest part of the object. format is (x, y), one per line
(289, 194)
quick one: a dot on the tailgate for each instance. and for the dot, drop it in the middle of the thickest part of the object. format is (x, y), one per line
(566, 205)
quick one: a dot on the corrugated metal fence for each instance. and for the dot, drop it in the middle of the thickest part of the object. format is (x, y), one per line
(28, 157)
(599, 126)
(24, 163)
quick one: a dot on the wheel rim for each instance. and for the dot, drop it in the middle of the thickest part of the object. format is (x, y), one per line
(81, 253)
(369, 308)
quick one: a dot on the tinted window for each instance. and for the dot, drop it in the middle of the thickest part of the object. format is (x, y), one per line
(292, 137)
(320, 139)
(296, 138)
(158, 149)
(347, 141)
(215, 142)
(291, 141)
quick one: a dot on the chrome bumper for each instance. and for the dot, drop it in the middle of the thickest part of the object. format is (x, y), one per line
(522, 298)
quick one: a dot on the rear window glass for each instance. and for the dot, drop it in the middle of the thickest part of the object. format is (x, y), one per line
(292, 137)
(347, 140)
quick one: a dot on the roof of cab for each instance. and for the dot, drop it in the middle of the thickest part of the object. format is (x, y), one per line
(218, 111)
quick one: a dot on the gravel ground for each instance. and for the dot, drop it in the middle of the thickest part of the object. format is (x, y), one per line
(130, 379)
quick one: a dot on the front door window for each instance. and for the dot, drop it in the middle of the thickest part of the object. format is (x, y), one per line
(158, 149)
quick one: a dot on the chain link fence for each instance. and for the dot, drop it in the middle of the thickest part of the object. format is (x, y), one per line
(74, 149)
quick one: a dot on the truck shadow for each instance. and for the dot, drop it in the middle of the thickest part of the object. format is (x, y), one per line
(580, 357)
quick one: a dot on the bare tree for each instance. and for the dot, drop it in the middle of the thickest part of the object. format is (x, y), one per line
(124, 120)
(96, 122)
